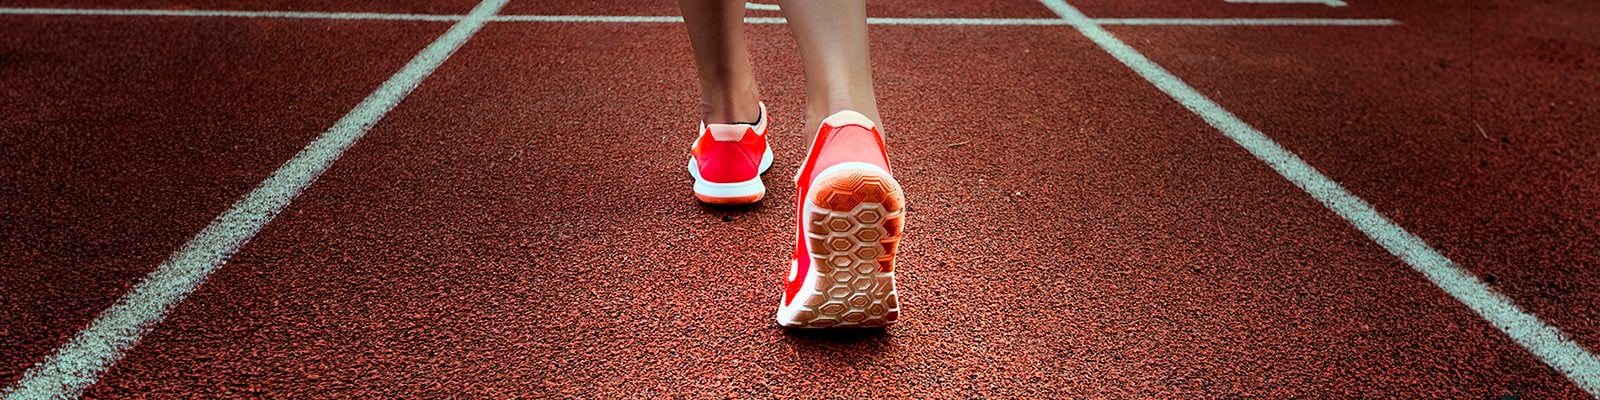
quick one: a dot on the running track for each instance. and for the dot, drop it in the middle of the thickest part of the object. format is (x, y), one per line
(1190, 198)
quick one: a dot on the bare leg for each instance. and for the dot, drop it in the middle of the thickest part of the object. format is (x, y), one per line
(833, 46)
(728, 91)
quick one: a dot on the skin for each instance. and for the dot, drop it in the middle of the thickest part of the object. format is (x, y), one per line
(832, 37)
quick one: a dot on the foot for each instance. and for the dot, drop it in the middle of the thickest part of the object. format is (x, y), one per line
(851, 214)
(727, 161)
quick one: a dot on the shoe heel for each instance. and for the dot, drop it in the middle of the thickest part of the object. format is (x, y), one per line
(854, 220)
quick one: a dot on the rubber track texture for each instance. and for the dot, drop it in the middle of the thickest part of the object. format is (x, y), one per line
(1136, 253)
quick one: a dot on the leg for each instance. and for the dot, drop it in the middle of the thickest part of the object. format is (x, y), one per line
(833, 46)
(850, 210)
(727, 81)
(730, 151)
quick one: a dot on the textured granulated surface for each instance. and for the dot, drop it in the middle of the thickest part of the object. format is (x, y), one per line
(521, 225)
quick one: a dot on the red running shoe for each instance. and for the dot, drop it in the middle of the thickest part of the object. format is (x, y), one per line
(851, 215)
(727, 162)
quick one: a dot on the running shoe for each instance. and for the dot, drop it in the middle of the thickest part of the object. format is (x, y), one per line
(851, 213)
(728, 159)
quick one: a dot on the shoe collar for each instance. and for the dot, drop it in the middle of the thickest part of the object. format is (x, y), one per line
(734, 132)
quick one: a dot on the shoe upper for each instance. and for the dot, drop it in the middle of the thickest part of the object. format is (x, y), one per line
(846, 136)
(730, 153)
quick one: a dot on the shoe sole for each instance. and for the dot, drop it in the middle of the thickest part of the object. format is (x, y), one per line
(853, 222)
(737, 193)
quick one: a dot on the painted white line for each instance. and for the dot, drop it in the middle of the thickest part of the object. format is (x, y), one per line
(229, 14)
(761, 6)
(667, 19)
(1329, 3)
(647, 19)
(1247, 21)
(777, 20)
(1543, 340)
(80, 362)
(965, 21)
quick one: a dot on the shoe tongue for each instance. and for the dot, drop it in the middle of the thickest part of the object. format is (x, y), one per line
(728, 132)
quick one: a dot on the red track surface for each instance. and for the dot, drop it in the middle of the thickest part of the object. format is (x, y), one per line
(1498, 169)
(121, 146)
(521, 224)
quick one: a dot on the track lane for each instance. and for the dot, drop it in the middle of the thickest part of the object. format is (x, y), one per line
(1223, 9)
(1491, 166)
(876, 8)
(125, 136)
(1136, 251)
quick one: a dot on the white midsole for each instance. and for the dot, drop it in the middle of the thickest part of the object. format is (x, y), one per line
(736, 189)
(786, 314)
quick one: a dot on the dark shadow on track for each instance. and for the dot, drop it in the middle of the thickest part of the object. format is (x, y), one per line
(863, 344)
(837, 336)
(729, 212)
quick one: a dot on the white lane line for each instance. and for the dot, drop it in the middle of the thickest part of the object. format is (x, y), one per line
(80, 362)
(648, 19)
(1247, 21)
(1329, 3)
(965, 21)
(776, 20)
(667, 19)
(1543, 340)
(229, 14)
(761, 6)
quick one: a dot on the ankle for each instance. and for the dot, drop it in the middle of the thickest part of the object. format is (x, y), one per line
(730, 106)
(729, 114)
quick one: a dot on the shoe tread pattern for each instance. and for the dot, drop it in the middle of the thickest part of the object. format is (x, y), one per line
(853, 231)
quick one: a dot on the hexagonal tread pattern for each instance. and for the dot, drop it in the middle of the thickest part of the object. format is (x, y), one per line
(853, 227)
